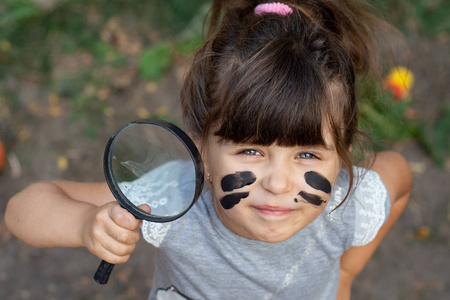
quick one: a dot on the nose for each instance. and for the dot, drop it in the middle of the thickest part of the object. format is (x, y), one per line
(278, 178)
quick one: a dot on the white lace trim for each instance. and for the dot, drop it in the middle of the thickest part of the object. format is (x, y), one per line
(370, 213)
(156, 188)
(370, 199)
(154, 233)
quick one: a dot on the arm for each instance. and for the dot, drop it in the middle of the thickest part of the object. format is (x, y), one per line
(396, 175)
(70, 214)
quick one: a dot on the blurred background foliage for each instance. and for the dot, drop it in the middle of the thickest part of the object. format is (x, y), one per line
(428, 17)
(80, 50)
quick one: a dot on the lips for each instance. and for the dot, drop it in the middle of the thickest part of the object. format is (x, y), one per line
(273, 210)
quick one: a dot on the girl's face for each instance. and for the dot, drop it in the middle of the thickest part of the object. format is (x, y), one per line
(269, 193)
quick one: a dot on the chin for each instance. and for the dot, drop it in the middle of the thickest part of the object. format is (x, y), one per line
(274, 237)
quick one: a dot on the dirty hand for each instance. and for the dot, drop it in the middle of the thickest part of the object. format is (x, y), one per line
(111, 232)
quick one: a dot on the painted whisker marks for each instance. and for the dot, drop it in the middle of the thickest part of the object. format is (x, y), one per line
(237, 180)
(311, 198)
(318, 182)
(231, 200)
(232, 182)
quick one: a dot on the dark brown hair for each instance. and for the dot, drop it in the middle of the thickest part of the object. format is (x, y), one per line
(269, 78)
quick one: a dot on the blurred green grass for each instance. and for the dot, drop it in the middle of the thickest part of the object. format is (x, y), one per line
(112, 35)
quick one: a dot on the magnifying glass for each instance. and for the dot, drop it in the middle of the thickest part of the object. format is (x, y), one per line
(156, 163)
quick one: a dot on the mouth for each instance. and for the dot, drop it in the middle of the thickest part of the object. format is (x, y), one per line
(268, 210)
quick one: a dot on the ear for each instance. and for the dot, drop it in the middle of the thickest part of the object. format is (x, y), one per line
(202, 149)
(198, 143)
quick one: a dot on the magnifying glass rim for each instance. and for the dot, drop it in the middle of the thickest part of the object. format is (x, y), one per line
(114, 187)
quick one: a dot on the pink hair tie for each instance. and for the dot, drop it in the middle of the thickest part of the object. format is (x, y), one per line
(274, 7)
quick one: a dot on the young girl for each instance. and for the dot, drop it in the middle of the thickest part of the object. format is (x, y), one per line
(270, 102)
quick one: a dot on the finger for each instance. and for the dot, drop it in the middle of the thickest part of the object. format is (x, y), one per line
(113, 258)
(115, 224)
(110, 246)
(109, 249)
(124, 218)
(122, 235)
(145, 207)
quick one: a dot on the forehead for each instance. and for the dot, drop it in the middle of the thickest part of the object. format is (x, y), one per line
(329, 140)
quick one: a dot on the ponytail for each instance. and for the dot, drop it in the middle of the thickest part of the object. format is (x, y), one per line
(353, 22)
(355, 25)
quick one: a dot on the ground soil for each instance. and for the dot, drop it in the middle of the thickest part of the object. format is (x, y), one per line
(412, 262)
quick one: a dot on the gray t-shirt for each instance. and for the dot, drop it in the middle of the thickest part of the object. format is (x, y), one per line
(199, 258)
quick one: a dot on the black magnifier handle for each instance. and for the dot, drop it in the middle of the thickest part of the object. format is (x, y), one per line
(103, 272)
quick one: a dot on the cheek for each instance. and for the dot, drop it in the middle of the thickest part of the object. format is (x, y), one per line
(313, 199)
(229, 201)
(319, 183)
(232, 182)
(237, 180)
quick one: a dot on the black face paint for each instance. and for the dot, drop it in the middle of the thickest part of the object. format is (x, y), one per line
(237, 180)
(311, 198)
(318, 182)
(231, 200)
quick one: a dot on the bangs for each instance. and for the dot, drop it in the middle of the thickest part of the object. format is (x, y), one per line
(286, 109)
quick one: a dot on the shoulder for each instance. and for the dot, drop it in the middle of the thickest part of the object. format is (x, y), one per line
(372, 206)
(367, 186)
(367, 207)
(394, 171)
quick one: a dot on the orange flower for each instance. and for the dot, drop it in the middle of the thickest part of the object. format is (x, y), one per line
(400, 81)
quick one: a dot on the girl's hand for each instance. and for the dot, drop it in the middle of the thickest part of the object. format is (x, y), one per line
(111, 232)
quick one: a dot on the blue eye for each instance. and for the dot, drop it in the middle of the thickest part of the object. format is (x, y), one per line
(250, 152)
(307, 155)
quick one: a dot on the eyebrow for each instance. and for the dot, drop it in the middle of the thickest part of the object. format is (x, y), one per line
(319, 147)
(327, 147)
(323, 147)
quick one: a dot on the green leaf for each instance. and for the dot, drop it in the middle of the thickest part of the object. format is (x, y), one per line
(381, 116)
(188, 47)
(18, 11)
(155, 61)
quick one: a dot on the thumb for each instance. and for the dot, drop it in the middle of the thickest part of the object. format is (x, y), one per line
(145, 207)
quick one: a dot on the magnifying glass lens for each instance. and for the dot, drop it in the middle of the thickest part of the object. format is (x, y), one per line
(150, 164)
